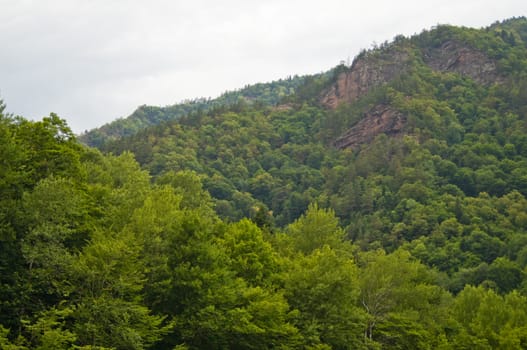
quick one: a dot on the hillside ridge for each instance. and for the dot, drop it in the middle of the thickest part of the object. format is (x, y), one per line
(149, 116)
(377, 68)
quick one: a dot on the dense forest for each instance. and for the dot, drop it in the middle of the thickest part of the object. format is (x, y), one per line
(145, 116)
(380, 205)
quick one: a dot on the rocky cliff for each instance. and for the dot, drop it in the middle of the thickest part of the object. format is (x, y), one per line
(367, 72)
(378, 120)
(372, 70)
(455, 57)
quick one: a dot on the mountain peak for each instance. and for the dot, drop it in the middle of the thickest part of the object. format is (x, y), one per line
(484, 57)
(380, 66)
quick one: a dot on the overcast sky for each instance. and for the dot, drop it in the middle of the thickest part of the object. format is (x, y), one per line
(92, 61)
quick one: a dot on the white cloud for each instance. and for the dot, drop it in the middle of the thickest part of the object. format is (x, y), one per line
(94, 61)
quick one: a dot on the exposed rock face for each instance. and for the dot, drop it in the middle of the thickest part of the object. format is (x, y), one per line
(373, 70)
(380, 119)
(370, 70)
(365, 73)
(452, 56)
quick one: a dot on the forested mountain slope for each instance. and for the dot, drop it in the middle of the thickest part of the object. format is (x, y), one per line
(408, 128)
(382, 206)
(145, 116)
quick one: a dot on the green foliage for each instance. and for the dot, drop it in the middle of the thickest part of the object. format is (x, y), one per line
(323, 286)
(402, 303)
(252, 258)
(490, 321)
(6, 344)
(115, 323)
(242, 227)
(48, 331)
(146, 116)
(315, 229)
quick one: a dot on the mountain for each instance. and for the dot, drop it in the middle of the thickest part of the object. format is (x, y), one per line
(389, 143)
(145, 116)
(380, 205)
(447, 87)
(448, 51)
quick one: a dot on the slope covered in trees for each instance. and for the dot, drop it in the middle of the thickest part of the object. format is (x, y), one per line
(246, 227)
(444, 186)
(145, 116)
